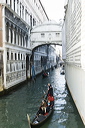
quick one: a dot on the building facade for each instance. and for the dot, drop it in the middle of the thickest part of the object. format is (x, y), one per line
(74, 51)
(17, 17)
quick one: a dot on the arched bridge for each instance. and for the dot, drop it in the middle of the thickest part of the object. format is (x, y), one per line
(47, 33)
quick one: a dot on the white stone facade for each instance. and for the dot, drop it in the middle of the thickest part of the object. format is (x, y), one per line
(17, 18)
(73, 32)
(74, 51)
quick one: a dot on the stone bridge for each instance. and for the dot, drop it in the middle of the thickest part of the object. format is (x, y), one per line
(47, 33)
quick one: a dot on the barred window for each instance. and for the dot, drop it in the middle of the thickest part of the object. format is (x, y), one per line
(42, 34)
(57, 34)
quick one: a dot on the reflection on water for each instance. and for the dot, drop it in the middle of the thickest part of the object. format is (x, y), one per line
(14, 107)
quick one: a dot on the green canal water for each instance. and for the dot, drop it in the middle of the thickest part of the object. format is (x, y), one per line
(26, 99)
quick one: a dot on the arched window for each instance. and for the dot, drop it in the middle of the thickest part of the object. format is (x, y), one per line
(15, 36)
(20, 9)
(7, 55)
(18, 37)
(26, 38)
(11, 56)
(18, 56)
(31, 21)
(15, 56)
(7, 31)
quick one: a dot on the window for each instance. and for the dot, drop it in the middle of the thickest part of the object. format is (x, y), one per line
(11, 56)
(20, 9)
(42, 34)
(23, 41)
(7, 55)
(15, 36)
(15, 56)
(18, 38)
(11, 35)
(21, 56)
(26, 38)
(21, 38)
(31, 21)
(22, 65)
(7, 32)
(57, 34)
(34, 22)
(23, 12)
(10, 67)
(18, 56)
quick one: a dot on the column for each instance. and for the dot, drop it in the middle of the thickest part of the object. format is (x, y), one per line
(24, 13)
(13, 4)
(16, 6)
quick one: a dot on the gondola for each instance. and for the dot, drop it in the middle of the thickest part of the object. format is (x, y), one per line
(45, 74)
(62, 72)
(40, 119)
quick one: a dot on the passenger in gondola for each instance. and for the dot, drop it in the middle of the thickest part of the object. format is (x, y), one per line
(40, 112)
(48, 106)
(42, 109)
(51, 99)
(43, 106)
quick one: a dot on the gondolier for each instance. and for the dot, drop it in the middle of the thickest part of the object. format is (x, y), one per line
(50, 90)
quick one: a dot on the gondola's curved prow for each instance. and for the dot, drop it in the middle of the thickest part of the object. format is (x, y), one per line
(40, 119)
(28, 118)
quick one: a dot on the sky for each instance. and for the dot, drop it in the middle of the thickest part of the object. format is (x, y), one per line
(54, 9)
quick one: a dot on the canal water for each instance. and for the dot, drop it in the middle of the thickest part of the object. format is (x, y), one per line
(26, 99)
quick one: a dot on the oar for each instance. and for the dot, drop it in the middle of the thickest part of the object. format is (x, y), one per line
(28, 118)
